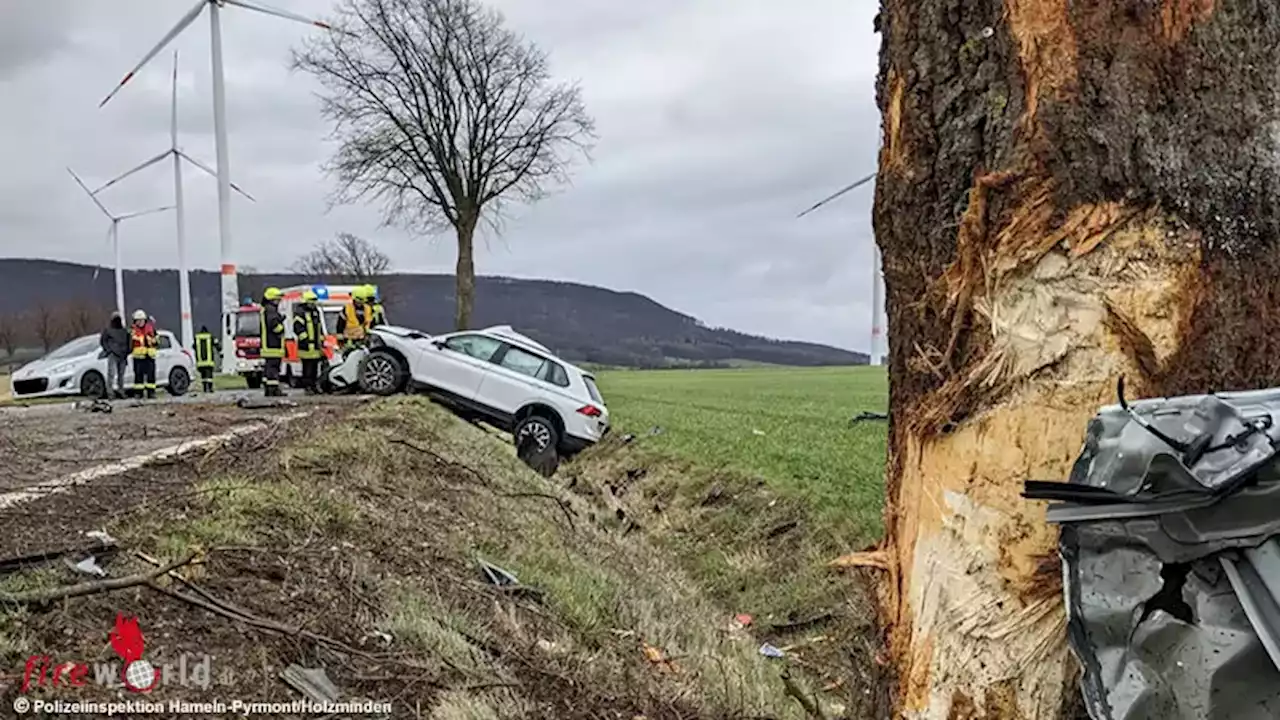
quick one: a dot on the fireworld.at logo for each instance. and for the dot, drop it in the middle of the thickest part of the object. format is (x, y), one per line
(136, 674)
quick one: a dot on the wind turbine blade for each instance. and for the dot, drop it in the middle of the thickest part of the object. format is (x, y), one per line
(173, 115)
(186, 20)
(89, 192)
(213, 173)
(145, 212)
(267, 9)
(143, 166)
(838, 193)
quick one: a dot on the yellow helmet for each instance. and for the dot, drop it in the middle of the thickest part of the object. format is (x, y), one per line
(271, 293)
(365, 292)
(309, 296)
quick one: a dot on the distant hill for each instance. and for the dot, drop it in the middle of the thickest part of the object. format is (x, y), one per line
(583, 323)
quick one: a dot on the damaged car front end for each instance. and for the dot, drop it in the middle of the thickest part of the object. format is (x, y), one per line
(1171, 557)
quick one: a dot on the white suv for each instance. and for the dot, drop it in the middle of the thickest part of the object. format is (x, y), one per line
(496, 375)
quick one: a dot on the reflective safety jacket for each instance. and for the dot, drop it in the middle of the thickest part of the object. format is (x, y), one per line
(379, 316)
(272, 324)
(142, 341)
(355, 321)
(205, 350)
(306, 328)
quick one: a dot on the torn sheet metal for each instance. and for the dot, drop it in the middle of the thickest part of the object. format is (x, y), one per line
(1171, 558)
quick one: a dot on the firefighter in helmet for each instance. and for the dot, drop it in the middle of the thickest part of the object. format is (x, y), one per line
(142, 348)
(206, 351)
(378, 316)
(272, 349)
(308, 331)
(356, 319)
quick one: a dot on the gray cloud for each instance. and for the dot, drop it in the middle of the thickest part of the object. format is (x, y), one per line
(719, 121)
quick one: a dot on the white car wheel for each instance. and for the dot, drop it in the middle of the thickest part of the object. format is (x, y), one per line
(380, 373)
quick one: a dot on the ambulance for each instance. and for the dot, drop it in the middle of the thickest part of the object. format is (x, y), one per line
(244, 325)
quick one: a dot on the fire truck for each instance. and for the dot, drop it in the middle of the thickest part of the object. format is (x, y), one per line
(244, 326)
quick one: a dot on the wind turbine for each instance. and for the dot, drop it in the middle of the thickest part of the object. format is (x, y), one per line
(230, 298)
(877, 275)
(114, 234)
(177, 155)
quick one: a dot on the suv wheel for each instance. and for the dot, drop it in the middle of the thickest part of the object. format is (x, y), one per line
(380, 373)
(536, 442)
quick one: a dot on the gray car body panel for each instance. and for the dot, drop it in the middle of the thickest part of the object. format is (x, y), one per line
(1174, 605)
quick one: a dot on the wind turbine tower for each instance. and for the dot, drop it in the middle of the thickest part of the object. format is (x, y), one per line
(177, 155)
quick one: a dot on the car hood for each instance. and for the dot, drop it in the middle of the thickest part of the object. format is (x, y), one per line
(41, 367)
(399, 331)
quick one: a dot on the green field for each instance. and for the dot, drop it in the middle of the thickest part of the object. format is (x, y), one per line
(787, 426)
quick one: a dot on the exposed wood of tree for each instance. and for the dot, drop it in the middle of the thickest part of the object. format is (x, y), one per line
(1068, 191)
(443, 115)
(346, 258)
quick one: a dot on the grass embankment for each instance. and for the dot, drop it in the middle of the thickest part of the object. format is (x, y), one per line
(369, 533)
(756, 479)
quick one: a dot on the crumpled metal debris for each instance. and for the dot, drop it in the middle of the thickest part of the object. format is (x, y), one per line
(1171, 558)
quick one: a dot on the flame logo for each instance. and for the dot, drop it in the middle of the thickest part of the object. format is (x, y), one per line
(126, 638)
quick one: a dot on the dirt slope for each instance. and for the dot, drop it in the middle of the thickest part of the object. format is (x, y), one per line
(354, 536)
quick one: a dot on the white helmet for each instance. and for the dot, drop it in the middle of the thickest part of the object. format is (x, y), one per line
(139, 314)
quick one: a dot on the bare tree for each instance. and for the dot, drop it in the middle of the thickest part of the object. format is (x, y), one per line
(44, 323)
(9, 327)
(80, 317)
(346, 258)
(443, 115)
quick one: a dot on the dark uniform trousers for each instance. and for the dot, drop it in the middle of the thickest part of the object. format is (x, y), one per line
(204, 360)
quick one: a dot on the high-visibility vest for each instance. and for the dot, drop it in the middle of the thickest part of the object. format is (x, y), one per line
(142, 341)
(358, 321)
(204, 350)
(306, 328)
(272, 336)
(379, 316)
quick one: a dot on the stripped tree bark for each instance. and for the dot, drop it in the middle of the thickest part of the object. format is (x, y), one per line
(1068, 191)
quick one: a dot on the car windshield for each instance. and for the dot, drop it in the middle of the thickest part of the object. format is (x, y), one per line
(247, 324)
(75, 348)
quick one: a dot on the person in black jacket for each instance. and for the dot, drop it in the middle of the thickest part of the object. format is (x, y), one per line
(272, 341)
(115, 348)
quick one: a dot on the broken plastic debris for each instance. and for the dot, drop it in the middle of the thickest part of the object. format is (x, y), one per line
(770, 651)
(101, 536)
(496, 575)
(740, 621)
(755, 431)
(88, 566)
(655, 430)
(314, 683)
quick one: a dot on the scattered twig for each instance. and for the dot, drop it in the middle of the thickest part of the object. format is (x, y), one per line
(14, 564)
(38, 597)
(564, 506)
(809, 704)
(801, 624)
(484, 479)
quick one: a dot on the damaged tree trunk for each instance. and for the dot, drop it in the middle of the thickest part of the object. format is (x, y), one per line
(1068, 192)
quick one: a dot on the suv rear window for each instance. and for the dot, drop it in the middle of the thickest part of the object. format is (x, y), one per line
(591, 388)
(554, 373)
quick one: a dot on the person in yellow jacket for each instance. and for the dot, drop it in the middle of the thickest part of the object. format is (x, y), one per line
(143, 349)
(206, 351)
(356, 319)
(308, 331)
(272, 341)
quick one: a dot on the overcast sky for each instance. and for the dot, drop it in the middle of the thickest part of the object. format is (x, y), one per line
(719, 120)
